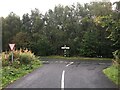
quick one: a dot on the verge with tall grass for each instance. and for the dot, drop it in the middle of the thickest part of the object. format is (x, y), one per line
(24, 62)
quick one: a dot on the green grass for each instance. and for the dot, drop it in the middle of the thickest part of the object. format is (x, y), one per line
(78, 58)
(112, 73)
(10, 73)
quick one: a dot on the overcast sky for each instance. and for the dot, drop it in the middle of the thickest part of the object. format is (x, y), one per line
(21, 7)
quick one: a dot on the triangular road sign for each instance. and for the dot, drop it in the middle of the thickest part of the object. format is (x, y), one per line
(11, 46)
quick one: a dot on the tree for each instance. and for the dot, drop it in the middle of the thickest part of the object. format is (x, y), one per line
(11, 26)
(99, 8)
(83, 28)
(41, 46)
(115, 33)
(22, 40)
(89, 44)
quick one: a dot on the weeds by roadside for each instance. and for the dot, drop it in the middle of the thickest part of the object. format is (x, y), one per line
(24, 62)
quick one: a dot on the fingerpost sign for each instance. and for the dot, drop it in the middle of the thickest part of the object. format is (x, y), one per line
(65, 48)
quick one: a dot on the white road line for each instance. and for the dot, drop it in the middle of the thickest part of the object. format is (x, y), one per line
(62, 80)
(61, 61)
(56, 61)
(69, 64)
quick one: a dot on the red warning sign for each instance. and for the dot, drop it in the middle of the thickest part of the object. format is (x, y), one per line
(12, 46)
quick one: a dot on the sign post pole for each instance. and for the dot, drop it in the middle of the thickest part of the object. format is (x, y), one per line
(12, 47)
(12, 56)
(65, 53)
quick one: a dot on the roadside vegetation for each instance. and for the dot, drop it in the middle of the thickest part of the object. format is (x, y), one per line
(24, 62)
(113, 72)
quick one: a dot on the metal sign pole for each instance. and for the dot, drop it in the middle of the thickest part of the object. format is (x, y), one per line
(12, 56)
(64, 52)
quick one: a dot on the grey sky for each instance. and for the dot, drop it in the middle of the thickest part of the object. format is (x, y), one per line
(25, 6)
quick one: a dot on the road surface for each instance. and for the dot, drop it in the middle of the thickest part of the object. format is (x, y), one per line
(66, 74)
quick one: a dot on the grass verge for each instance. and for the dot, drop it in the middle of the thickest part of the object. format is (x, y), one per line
(10, 73)
(78, 58)
(112, 73)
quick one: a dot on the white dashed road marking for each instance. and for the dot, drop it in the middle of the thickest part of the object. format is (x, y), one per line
(61, 61)
(69, 64)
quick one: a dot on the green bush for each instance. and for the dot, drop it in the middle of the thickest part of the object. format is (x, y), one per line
(25, 58)
(10, 57)
(16, 64)
(20, 57)
(4, 60)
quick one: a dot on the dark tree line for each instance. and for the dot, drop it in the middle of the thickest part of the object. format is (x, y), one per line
(87, 29)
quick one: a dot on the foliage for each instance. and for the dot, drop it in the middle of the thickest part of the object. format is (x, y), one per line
(10, 27)
(20, 57)
(117, 54)
(45, 33)
(89, 44)
(116, 61)
(10, 73)
(112, 25)
(41, 46)
(24, 62)
(99, 8)
(25, 59)
(22, 39)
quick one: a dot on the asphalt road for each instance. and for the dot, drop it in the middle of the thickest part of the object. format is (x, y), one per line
(66, 74)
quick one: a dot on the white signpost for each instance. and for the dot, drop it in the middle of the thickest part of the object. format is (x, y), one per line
(12, 48)
(65, 48)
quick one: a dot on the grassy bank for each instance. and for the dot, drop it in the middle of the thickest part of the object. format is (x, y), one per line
(78, 58)
(112, 73)
(10, 73)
